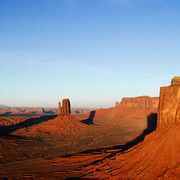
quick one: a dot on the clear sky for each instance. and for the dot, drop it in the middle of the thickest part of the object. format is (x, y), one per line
(93, 52)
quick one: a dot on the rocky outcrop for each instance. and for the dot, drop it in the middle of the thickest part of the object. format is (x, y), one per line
(169, 106)
(59, 109)
(117, 104)
(65, 109)
(141, 102)
(175, 81)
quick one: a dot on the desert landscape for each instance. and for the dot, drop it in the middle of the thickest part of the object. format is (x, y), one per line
(100, 131)
(136, 139)
(89, 89)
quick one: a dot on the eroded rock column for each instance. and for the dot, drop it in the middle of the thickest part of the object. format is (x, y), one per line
(65, 109)
(59, 109)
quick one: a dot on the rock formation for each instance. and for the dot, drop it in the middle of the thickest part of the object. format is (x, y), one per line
(59, 109)
(169, 106)
(175, 81)
(141, 102)
(117, 104)
(65, 109)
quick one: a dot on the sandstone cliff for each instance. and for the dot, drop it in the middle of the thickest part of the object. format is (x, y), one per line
(169, 106)
(141, 102)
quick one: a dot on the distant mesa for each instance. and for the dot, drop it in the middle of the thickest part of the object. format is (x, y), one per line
(141, 102)
(175, 81)
(65, 109)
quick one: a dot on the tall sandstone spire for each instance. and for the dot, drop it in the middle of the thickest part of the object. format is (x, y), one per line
(59, 109)
(65, 109)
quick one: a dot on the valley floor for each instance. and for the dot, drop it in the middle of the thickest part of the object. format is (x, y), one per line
(39, 147)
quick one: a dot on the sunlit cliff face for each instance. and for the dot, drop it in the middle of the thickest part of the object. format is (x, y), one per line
(169, 104)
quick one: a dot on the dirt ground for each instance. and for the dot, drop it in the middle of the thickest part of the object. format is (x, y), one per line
(39, 147)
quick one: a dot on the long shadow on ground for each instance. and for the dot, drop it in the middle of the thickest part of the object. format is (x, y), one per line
(6, 130)
(151, 126)
(90, 119)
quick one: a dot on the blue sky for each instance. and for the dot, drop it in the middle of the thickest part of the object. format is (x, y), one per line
(93, 52)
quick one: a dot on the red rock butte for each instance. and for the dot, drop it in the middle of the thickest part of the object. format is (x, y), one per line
(65, 109)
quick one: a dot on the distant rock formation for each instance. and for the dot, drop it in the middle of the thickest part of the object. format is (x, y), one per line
(169, 105)
(141, 102)
(65, 109)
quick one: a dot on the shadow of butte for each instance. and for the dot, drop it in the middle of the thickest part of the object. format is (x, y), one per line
(90, 119)
(6, 130)
(151, 126)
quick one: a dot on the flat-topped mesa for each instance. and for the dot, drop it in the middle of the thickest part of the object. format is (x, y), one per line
(65, 109)
(140, 102)
(169, 105)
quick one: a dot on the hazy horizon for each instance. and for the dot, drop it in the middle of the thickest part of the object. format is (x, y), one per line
(93, 52)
